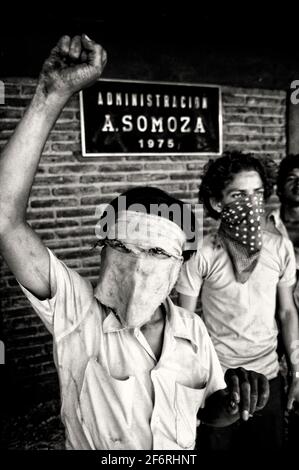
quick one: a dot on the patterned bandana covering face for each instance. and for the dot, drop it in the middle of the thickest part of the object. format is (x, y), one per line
(240, 231)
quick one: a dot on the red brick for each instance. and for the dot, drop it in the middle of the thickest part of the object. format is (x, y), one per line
(184, 176)
(231, 98)
(49, 180)
(7, 113)
(67, 125)
(64, 136)
(12, 89)
(67, 115)
(28, 89)
(74, 190)
(65, 147)
(263, 101)
(36, 215)
(79, 212)
(76, 168)
(92, 200)
(9, 125)
(66, 202)
(172, 166)
(73, 232)
(264, 120)
(110, 167)
(63, 244)
(39, 192)
(17, 102)
(243, 130)
(102, 178)
(147, 177)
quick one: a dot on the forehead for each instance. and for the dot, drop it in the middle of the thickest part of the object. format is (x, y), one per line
(147, 235)
(245, 180)
(148, 231)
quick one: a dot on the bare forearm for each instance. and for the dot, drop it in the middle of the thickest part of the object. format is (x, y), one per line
(290, 334)
(20, 158)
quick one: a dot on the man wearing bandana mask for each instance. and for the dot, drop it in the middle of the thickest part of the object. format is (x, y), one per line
(240, 232)
(243, 272)
(135, 371)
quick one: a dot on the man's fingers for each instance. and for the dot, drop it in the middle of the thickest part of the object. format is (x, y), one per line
(83, 57)
(253, 392)
(235, 389)
(104, 57)
(245, 398)
(263, 391)
(290, 402)
(97, 55)
(232, 382)
(88, 43)
(239, 390)
(64, 45)
(232, 407)
(75, 48)
(250, 387)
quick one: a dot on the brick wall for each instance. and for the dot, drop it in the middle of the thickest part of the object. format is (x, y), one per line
(66, 191)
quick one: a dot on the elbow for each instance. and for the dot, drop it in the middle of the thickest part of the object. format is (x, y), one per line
(287, 316)
(8, 221)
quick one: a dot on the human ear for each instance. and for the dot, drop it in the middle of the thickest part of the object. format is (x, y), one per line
(216, 204)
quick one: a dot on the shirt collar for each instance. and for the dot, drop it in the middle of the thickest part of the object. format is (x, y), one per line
(111, 323)
(179, 327)
(274, 219)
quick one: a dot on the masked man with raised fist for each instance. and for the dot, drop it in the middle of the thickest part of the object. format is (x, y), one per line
(135, 371)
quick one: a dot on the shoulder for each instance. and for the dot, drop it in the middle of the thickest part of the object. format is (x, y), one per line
(274, 224)
(192, 323)
(71, 291)
(276, 240)
(278, 248)
(207, 249)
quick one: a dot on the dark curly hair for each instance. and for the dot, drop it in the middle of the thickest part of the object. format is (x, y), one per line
(219, 173)
(287, 164)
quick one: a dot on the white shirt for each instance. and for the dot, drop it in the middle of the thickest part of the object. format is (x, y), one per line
(115, 394)
(240, 318)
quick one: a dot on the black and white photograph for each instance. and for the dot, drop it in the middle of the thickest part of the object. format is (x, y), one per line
(149, 231)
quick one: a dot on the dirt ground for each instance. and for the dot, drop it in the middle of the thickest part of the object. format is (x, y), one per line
(39, 429)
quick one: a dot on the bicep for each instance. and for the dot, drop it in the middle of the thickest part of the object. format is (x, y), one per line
(187, 302)
(28, 259)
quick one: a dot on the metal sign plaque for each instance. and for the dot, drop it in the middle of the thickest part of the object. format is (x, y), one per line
(120, 117)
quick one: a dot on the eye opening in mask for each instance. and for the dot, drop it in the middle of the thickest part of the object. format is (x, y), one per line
(156, 252)
(116, 244)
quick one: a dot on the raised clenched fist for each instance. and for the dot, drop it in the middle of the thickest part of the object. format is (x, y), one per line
(74, 63)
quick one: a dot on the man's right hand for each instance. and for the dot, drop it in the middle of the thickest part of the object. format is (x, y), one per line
(247, 391)
(74, 63)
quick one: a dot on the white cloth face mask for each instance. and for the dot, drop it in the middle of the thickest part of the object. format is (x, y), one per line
(134, 282)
